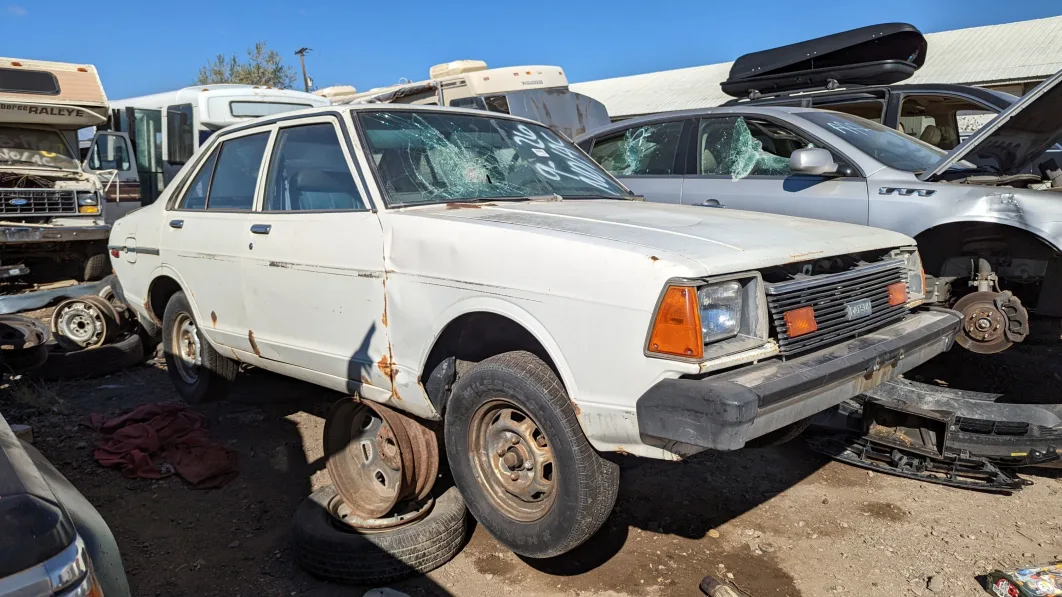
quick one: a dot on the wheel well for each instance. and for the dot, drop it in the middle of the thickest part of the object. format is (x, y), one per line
(159, 293)
(984, 239)
(471, 338)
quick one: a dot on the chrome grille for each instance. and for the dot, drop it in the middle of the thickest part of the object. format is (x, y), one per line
(31, 202)
(828, 295)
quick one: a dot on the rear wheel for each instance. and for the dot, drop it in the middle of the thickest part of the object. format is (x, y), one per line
(199, 373)
(520, 459)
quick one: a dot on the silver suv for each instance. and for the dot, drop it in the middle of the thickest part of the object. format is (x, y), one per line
(989, 232)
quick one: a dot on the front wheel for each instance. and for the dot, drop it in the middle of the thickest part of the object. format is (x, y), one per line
(198, 372)
(521, 461)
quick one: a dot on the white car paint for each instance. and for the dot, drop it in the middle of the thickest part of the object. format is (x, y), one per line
(355, 300)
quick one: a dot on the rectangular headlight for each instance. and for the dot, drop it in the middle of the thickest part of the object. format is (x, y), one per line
(720, 310)
(87, 198)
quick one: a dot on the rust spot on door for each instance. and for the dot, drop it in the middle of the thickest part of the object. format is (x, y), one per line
(213, 319)
(254, 345)
(383, 319)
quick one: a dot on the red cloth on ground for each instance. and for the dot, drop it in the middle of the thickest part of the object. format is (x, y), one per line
(170, 430)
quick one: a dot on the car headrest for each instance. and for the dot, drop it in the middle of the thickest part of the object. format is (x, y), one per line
(931, 135)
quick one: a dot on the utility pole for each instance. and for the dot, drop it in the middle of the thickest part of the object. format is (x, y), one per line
(301, 53)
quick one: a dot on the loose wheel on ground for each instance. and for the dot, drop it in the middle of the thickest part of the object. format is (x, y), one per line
(330, 549)
(197, 370)
(520, 459)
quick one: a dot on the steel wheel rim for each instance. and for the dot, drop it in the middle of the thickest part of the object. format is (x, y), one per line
(185, 347)
(344, 518)
(364, 453)
(82, 324)
(513, 460)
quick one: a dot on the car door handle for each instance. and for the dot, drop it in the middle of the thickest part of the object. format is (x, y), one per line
(176, 223)
(260, 228)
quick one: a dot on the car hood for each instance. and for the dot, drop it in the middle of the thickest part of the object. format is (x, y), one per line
(722, 240)
(1016, 138)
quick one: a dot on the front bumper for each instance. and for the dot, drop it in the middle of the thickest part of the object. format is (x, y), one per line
(18, 235)
(723, 411)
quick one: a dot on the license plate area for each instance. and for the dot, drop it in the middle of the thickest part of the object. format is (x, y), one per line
(858, 309)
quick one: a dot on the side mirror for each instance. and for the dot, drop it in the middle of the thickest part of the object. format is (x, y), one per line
(812, 160)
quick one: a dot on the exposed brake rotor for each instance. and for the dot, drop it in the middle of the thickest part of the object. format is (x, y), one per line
(992, 321)
(378, 457)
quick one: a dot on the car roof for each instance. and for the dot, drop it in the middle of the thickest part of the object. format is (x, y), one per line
(997, 98)
(373, 107)
(776, 111)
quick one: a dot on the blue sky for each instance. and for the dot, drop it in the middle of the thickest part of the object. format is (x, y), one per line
(146, 47)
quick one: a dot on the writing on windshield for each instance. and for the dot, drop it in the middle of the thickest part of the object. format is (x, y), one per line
(423, 157)
(34, 147)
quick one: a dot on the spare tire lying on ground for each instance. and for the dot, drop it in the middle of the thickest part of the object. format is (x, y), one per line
(329, 549)
(93, 362)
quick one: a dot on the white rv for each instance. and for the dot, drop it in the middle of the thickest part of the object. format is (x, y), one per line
(54, 209)
(540, 93)
(167, 128)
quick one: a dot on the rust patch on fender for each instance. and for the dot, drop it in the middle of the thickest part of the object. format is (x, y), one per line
(383, 319)
(654, 258)
(384, 365)
(213, 319)
(254, 345)
(619, 450)
(578, 411)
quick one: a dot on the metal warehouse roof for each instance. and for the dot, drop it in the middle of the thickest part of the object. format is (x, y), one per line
(1007, 53)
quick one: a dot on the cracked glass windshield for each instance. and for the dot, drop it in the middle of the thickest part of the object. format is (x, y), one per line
(888, 146)
(428, 157)
(35, 147)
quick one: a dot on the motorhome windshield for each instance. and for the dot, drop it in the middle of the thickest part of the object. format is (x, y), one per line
(428, 157)
(571, 114)
(35, 147)
(888, 146)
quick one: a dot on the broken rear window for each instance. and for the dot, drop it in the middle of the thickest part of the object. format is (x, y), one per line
(429, 157)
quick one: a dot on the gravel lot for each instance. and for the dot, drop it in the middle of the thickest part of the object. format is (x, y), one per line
(782, 521)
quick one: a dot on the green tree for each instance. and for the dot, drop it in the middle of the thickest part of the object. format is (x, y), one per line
(263, 67)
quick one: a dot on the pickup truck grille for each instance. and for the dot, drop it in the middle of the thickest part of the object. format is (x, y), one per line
(828, 294)
(32, 202)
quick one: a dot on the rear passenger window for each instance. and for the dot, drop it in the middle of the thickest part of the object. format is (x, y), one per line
(195, 196)
(643, 151)
(236, 173)
(308, 171)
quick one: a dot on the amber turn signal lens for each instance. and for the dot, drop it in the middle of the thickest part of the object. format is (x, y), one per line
(88, 209)
(897, 293)
(800, 321)
(677, 329)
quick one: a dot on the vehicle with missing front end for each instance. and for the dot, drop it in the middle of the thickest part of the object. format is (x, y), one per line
(55, 211)
(477, 272)
(988, 229)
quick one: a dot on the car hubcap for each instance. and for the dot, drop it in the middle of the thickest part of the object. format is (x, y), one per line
(185, 347)
(514, 460)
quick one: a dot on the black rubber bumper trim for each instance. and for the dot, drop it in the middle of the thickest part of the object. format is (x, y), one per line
(710, 412)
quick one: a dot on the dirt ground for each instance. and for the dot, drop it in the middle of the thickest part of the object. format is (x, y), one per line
(784, 522)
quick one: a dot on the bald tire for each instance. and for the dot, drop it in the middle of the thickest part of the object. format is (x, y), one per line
(586, 483)
(328, 551)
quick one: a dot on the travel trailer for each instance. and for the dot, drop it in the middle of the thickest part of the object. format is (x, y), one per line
(539, 93)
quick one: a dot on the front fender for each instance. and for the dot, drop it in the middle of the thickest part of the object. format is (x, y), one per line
(513, 311)
(1049, 234)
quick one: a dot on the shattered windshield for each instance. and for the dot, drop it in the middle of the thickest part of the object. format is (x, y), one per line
(35, 147)
(430, 157)
(888, 146)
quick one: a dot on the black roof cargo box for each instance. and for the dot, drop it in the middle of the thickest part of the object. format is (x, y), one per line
(874, 55)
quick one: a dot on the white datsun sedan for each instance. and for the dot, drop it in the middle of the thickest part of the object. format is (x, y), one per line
(480, 271)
